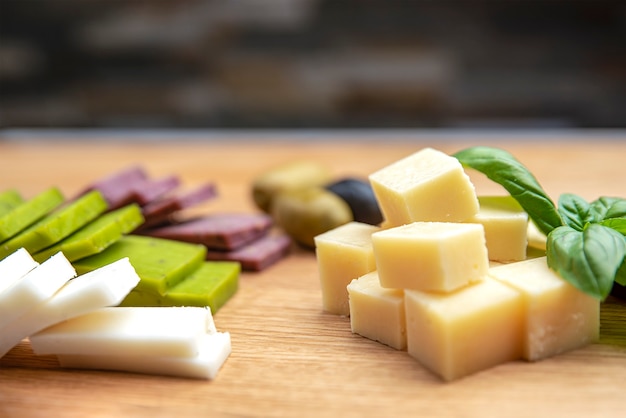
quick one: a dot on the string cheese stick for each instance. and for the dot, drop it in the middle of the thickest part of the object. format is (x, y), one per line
(132, 331)
(106, 286)
(34, 288)
(14, 267)
(214, 350)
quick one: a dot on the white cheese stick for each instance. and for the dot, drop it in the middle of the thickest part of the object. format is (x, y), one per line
(214, 350)
(130, 331)
(106, 286)
(14, 267)
(34, 288)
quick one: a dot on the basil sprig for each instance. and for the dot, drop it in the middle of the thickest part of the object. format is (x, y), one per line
(586, 242)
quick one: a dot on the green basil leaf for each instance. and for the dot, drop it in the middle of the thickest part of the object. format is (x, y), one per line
(617, 210)
(620, 276)
(588, 259)
(618, 224)
(607, 208)
(574, 211)
(501, 167)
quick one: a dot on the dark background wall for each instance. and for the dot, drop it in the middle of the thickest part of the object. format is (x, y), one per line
(312, 63)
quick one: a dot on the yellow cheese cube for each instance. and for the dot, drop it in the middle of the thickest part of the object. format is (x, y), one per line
(505, 224)
(558, 317)
(428, 185)
(377, 313)
(343, 254)
(536, 238)
(433, 256)
(464, 332)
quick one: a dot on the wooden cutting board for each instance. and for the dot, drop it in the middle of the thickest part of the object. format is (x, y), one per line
(289, 358)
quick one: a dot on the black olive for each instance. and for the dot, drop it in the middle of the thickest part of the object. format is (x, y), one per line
(618, 291)
(359, 196)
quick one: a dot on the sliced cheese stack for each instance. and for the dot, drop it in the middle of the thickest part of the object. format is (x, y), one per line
(76, 318)
(432, 291)
(106, 286)
(34, 288)
(14, 267)
(178, 341)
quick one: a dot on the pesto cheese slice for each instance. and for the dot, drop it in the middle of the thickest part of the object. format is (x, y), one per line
(57, 225)
(97, 235)
(160, 263)
(27, 213)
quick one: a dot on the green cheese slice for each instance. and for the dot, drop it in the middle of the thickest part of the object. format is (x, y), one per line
(212, 284)
(29, 212)
(96, 235)
(57, 225)
(9, 200)
(159, 262)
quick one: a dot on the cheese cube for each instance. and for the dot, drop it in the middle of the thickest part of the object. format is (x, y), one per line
(428, 185)
(506, 224)
(464, 332)
(377, 313)
(536, 238)
(343, 254)
(432, 256)
(558, 317)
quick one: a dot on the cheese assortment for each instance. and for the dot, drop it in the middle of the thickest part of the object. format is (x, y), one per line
(453, 283)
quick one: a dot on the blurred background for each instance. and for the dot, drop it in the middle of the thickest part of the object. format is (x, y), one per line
(312, 64)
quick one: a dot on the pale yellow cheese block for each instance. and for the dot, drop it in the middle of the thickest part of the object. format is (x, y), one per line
(343, 254)
(506, 225)
(428, 185)
(558, 317)
(377, 313)
(431, 256)
(467, 331)
(536, 238)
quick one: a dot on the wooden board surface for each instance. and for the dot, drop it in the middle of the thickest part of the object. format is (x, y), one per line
(289, 358)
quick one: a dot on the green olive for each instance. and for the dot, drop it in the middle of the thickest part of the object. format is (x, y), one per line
(306, 213)
(290, 176)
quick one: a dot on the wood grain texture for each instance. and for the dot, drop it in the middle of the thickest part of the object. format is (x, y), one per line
(289, 358)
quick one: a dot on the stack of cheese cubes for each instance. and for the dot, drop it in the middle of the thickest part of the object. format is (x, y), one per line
(446, 276)
(75, 318)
